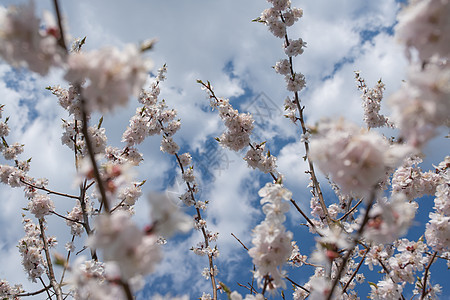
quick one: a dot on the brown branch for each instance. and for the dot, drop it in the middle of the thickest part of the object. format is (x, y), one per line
(316, 185)
(51, 274)
(239, 241)
(47, 190)
(86, 225)
(297, 285)
(44, 289)
(351, 210)
(425, 277)
(355, 272)
(199, 217)
(355, 241)
(66, 218)
(66, 264)
(97, 176)
(127, 290)
(61, 40)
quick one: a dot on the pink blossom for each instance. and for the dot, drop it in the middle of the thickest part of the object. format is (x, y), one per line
(111, 76)
(24, 43)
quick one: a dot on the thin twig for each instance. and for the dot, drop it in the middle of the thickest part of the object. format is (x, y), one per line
(44, 289)
(86, 225)
(425, 277)
(316, 185)
(61, 40)
(47, 190)
(66, 264)
(297, 285)
(351, 210)
(47, 288)
(51, 274)
(66, 218)
(199, 217)
(239, 241)
(355, 272)
(98, 179)
(355, 241)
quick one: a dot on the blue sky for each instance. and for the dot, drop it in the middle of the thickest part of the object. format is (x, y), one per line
(215, 41)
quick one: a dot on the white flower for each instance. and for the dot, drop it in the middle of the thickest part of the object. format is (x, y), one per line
(126, 245)
(24, 43)
(424, 25)
(296, 83)
(356, 159)
(272, 243)
(167, 217)
(168, 145)
(390, 220)
(295, 47)
(12, 151)
(422, 105)
(386, 289)
(111, 76)
(41, 205)
(283, 67)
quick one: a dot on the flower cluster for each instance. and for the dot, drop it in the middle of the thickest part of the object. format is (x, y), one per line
(257, 159)
(41, 205)
(280, 16)
(421, 105)
(111, 76)
(437, 230)
(9, 292)
(272, 243)
(24, 42)
(390, 220)
(239, 125)
(411, 181)
(167, 217)
(356, 159)
(424, 26)
(372, 103)
(125, 245)
(30, 248)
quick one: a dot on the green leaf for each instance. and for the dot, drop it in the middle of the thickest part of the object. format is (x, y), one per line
(148, 45)
(100, 123)
(225, 288)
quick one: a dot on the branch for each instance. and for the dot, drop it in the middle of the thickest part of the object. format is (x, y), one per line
(199, 217)
(47, 190)
(61, 40)
(127, 290)
(316, 185)
(86, 226)
(351, 210)
(36, 292)
(66, 218)
(239, 241)
(51, 274)
(355, 241)
(66, 264)
(425, 277)
(97, 176)
(46, 288)
(296, 284)
(355, 272)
